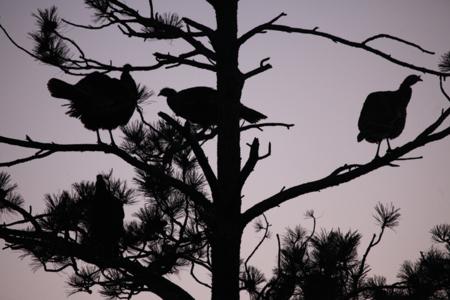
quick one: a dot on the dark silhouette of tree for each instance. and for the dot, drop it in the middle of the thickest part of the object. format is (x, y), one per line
(428, 278)
(383, 115)
(191, 216)
(321, 265)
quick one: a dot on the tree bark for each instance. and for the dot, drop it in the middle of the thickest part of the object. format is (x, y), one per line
(226, 230)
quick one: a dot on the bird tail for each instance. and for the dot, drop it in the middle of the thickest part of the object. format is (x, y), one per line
(60, 89)
(360, 137)
(251, 115)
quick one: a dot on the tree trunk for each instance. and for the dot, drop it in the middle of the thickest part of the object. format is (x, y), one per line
(225, 258)
(227, 231)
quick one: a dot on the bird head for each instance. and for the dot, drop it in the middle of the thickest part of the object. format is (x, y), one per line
(167, 92)
(100, 183)
(126, 67)
(411, 80)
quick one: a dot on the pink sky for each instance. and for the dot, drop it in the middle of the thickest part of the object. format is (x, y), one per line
(316, 84)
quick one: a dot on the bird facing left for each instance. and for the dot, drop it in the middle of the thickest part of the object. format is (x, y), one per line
(99, 101)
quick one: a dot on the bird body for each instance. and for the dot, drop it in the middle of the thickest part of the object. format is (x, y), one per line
(99, 101)
(383, 114)
(200, 105)
(105, 219)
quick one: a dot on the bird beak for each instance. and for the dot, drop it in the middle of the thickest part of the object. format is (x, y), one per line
(420, 79)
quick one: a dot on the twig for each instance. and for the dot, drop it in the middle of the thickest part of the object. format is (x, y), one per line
(387, 36)
(152, 13)
(253, 159)
(261, 125)
(90, 27)
(168, 59)
(196, 279)
(39, 155)
(263, 66)
(17, 45)
(337, 39)
(441, 78)
(203, 28)
(259, 29)
(263, 238)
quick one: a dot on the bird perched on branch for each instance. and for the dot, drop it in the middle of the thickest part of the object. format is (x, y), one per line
(99, 101)
(105, 220)
(200, 105)
(383, 114)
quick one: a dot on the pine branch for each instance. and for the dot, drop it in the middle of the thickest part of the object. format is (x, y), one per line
(195, 195)
(29, 240)
(198, 151)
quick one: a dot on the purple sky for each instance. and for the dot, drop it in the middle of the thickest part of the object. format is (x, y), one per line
(316, 84)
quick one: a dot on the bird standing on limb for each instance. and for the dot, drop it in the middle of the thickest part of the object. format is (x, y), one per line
(200, 105)
(99, 101)
(383, 114)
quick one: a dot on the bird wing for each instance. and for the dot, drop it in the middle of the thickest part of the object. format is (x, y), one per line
(197, 104)
(378, 111)
(251, 115)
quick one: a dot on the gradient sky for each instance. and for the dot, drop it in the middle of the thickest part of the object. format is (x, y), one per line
(316, 84)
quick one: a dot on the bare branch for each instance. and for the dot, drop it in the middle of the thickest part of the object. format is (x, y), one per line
(91, 27)
(261, 125)
(261, 241)
(263, 66)
(168, 59)
(441, 79)
(196, 278)
(38, 155)
(337, 39)
(283, 28)
(17, 45)
(259, 29)
(203, 28)
(338, 177)
(152, 12)
(387, 36)
(253, 159)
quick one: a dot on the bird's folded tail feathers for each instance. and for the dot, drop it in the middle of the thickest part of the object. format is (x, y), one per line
(360, 137)
(60, 89)
(251, 115)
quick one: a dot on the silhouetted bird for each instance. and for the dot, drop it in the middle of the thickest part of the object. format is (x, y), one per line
(99, 101)
(200, 105)
(383, 114)
(105, 220)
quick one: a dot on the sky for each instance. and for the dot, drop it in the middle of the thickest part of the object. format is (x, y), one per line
(315, 83)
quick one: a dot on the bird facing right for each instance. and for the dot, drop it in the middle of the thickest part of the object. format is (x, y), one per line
(383, 114)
